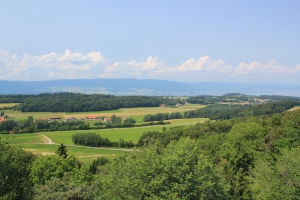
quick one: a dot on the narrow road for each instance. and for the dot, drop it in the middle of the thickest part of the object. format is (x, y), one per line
(49, 140)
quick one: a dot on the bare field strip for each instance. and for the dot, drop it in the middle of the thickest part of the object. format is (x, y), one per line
(36, 115)
(3, 105)
(132, 112)
(137, 113)
(294, 108)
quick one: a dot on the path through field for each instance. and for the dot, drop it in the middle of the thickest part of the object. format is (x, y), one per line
(49, 140)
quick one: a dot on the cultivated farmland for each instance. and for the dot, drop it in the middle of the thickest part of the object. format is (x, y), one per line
(37, 143)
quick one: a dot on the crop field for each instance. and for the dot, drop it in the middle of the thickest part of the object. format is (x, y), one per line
(17, 115)
(136, 113)
(3, 105)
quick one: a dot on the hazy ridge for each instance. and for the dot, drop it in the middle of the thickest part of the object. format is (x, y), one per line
(130, 86)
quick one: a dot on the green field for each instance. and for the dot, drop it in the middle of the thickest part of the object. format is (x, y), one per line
(125, 133)
(85, 154)
(23, 138)
(38, 143)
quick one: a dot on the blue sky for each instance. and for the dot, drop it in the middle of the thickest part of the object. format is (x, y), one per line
(218, 41)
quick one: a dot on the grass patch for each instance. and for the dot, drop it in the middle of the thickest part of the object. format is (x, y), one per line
(23, 138)
(115, 134)
(85, 154)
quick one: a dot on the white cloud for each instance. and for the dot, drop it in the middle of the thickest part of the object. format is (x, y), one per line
(271, 68)
(132, 68)
(67, 61)
(70, 65)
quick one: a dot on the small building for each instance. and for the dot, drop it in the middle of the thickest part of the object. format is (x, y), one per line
(42, 119)
(2, 119)
(70, 118)
(107, 119)
(179, 104)
(163, 105)
(54, 119)
(91, 117)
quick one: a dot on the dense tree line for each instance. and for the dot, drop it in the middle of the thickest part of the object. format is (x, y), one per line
(224, 111)
(14, 98)
(95, 140)
(254, 157)
(30, 125)
(231, 111)
(236, 97)
(74, 102)
(279, 98)
(162, 116)
(172, 101)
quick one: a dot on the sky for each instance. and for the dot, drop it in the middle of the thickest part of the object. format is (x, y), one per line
(249, 41)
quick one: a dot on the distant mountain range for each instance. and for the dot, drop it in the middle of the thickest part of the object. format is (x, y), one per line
(148, 87)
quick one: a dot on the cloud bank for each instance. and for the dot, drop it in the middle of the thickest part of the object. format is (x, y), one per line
(70, 65)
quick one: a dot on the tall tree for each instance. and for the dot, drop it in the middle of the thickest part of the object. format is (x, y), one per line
(62, 151)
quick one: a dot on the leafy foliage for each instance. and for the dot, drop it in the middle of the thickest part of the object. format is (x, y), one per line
(15, 165)
(232, 111)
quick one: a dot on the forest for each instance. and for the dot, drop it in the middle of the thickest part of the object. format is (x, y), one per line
(254, 157)
(224, 111)
(76, 102)
(237, 97)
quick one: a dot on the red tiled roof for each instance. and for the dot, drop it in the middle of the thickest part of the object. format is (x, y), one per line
(2, 119)
(42, 118)
(91, 117)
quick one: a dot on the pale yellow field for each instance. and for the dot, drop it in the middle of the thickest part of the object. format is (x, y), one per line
(131, 112)
(137, 113)
(3, 105)
(294, 108)
(23, 115)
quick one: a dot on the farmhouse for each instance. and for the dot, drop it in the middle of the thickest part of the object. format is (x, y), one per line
(54, 119)
(2, 119)
(42, 119)
(91, 117)
(70, 118)
(107, 119)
